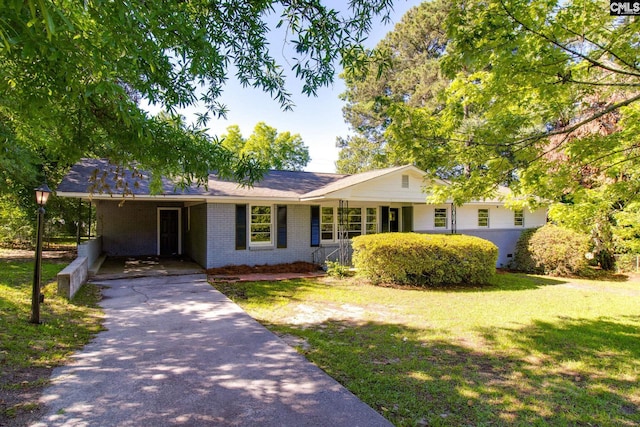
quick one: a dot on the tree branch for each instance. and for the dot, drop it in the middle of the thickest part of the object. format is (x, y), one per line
(566, 48)
(603, 49)
(570, 129)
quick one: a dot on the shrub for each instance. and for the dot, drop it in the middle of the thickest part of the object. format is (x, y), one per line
(627, 263)
(335, 269)
(424, 259)
(523, 258)
(553, 250)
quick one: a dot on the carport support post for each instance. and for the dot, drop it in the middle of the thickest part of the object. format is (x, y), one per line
(79, 227)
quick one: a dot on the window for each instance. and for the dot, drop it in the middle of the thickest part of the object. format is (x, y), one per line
(326, 224)
(518, 218)
(440, 218)
(260, 225)
(405, 181)
(483, 217)
(371, 226)
(353, 221)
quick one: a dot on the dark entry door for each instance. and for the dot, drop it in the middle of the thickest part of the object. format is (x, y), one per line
(394, 220)
(169, 232)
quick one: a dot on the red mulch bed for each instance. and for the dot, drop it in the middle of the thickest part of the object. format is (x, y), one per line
(295, 267)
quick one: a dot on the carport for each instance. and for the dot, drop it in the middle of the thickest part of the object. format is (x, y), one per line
(146, 266)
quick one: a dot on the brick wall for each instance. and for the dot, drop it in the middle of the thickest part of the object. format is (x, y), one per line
(130, 229)
(221, 239)
(195, 233)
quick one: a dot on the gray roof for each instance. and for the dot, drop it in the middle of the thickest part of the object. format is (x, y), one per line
(98, 176)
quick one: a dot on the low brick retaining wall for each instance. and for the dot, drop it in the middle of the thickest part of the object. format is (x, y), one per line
(73, 276)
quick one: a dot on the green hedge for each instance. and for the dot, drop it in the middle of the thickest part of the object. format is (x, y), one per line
(552, 250)
(424, 259)
(523, 258)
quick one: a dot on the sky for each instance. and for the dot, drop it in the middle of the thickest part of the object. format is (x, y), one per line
(318, 120)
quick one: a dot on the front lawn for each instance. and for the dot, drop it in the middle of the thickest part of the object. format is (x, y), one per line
(524, 351)
(29, 352)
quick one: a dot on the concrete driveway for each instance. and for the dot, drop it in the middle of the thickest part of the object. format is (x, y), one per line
(178, 352)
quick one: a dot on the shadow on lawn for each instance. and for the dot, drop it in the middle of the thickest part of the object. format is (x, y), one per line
(500, 282)
(573, 372)
(268, 292)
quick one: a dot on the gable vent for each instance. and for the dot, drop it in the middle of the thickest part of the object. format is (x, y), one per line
(405, 181)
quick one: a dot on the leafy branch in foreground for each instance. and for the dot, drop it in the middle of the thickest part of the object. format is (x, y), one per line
(73, 74)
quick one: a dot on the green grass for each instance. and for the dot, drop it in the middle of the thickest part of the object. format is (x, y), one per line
(26, 348)
(526, 350)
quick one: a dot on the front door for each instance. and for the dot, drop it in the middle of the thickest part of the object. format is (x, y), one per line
(169, 232)
(394, 220)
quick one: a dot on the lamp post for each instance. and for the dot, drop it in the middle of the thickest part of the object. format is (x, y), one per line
(42, 195)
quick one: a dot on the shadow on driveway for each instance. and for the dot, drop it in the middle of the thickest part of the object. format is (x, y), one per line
(178, 352)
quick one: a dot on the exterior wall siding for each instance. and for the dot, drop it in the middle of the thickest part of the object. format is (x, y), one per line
(221, 239)
(501, 230)
(500, 218)
(195, 234)
(505, 240)
(208, 232)
(423, 217)
(130, 229)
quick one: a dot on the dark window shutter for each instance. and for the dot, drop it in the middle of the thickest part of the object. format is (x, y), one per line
(384, 219)
(315, 225)
(407, 219)
(241, 227)
(281, 225)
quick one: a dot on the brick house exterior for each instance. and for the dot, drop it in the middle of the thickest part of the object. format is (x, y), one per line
(286, 217)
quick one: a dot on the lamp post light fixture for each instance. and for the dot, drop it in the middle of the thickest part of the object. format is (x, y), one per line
(42, 195)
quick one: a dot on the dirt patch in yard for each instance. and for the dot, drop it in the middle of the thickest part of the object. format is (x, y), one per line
(20, 391)
(62, 256)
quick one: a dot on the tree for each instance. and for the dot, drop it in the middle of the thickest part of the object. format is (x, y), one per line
(412, 78)
(358, 154)
(73, 73)
(273, 150)
(543, 97)
(536, 75)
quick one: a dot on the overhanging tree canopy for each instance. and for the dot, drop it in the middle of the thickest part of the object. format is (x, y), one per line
(73, 71)
(554, 88)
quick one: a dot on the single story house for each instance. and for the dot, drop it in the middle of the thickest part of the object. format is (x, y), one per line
(286, 217)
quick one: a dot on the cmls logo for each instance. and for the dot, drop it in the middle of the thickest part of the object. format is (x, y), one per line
(624, 7)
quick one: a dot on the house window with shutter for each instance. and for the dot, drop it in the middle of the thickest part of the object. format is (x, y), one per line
(260, 225)
(327, 223)
(405, 181)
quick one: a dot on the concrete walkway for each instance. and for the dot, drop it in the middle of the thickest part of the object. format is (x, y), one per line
(178, 352)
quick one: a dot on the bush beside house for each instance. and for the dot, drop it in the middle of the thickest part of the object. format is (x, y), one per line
(552, 250)
(424, 259)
